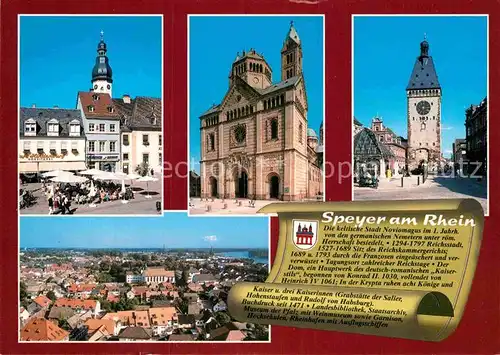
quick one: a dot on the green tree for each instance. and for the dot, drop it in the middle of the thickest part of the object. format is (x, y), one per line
(222, 318)
(51, 295)
(23, 294)
(104, 277)
(142, 169)
(182, 305)
(63, 323)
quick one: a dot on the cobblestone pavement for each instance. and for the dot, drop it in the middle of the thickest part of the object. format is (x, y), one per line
(434, 187)
(140, 205)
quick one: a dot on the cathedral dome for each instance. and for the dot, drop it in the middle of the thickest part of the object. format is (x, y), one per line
(311, 133)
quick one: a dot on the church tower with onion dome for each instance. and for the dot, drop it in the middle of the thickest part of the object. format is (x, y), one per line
(102, 75)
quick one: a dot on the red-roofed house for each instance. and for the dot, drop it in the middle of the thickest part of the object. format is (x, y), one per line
(79, 305)
(42, 301)
(41, 329)
(102, 127)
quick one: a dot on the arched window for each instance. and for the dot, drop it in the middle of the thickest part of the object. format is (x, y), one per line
(260, 68)
(301, 132)
(211, 142)
(239, 112)
(272, 102)
(251, 109)
(247, 110)
(265, 105)
(282, 101)
(274, 128)
(422, 126)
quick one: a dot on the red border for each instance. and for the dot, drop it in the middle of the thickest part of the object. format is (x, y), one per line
(479, 330)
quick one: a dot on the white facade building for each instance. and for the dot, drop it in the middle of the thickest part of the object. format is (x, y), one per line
(141, 132)
(50, 139)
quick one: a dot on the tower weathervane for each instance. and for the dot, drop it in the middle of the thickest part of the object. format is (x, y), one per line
(425, 36)
(102, 35)
(291, 23)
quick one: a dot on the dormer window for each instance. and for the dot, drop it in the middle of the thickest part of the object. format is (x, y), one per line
(53, 127)
(74, 128)
(111, 109)
(90, 108)
(30, 127)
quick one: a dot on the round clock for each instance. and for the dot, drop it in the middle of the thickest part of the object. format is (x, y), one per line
(423, 107)
(240, 133)
(256, 80)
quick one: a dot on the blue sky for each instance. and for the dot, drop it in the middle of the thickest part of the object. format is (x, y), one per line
(174, 230)
(385, 49)
(214, 43)
(58, 54)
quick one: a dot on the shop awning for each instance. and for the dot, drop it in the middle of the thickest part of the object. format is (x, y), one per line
(28, 167)
(34, 167)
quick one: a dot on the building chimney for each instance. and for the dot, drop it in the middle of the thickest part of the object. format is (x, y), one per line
(126, 98)
(33, 106)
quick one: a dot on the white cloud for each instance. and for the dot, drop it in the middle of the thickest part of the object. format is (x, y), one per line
(446, 128)
(210, 238)
(449, 151)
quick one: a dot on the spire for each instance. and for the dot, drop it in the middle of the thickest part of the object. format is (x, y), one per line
(424, 74)
(292, 35)
(102, 75)
(424, 47)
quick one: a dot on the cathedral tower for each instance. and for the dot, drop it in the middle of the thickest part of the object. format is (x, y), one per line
(424, 112)
(102, 75)
(252, 68)
(291, 55)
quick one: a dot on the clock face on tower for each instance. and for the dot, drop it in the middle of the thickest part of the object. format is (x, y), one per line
(256, 80)
(423, 107)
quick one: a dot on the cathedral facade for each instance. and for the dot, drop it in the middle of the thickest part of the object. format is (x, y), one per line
(424, 112)
(256, 143)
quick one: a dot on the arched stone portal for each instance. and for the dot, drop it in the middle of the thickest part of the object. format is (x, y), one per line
(241, 184)
(274, 186)
(213, 187)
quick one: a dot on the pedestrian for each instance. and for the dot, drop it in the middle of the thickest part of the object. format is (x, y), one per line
(51, 203)
(67, 203)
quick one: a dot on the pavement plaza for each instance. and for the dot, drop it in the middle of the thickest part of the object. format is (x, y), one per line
(141, 204)
(435, 187)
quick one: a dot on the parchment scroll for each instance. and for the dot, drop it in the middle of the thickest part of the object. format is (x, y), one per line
(391, 268)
